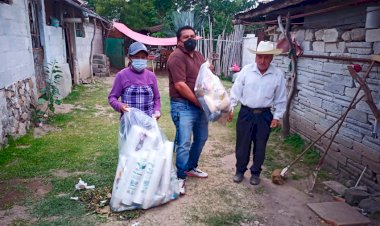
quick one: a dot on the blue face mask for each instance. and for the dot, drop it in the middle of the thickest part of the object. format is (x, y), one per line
(139, 64)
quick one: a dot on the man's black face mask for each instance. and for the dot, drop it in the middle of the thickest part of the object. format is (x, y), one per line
(190, 44)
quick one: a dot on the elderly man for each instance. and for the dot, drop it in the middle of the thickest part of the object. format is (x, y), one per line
(260, 88)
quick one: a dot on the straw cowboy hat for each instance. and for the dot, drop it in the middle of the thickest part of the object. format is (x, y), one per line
(266, 47)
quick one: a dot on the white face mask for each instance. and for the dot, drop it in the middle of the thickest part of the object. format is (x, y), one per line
(139, 64)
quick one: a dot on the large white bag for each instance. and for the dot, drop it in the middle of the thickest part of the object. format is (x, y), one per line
(145, 174)
(212, 95)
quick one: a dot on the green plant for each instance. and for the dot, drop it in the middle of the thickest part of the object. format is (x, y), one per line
(49, 95)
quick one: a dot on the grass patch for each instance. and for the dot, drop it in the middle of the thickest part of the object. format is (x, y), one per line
(58, 206)
(220, 219)
(295, 142)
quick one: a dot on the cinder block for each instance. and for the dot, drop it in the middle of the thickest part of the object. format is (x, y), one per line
(336, 47)
(373, 35)
(354, 135)
(374, 166)
(361, 51)
(358, 115)
(332, 107)
(376, 48)
(300, 36)
(306, 46)
(358, 45)
(319, 46)
(334, 88)
(309, 35)
(334, 68)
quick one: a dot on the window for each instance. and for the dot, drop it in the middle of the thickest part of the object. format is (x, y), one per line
(52, 13)
(79, 30)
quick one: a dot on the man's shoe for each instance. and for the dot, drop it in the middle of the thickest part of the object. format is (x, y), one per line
(196, 173)
(182, 186)
(255, 180)
(238, 177)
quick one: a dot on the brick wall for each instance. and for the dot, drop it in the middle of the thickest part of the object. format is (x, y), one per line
(325, 89)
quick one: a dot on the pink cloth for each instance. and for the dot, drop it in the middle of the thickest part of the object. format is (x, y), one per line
(143, 38)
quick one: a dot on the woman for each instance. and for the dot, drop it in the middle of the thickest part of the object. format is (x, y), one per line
(136, 85)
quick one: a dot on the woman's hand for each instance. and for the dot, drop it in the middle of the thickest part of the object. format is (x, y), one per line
(156, 115)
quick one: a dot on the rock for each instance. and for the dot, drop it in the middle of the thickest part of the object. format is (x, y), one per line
(350, 183)
(319, 35)
(346, 36)
(331, 35)
(371, 205)
(354, 196)
(309, 35)
(256, 223)
(358, 34)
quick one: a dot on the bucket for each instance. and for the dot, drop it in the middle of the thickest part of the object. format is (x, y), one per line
(54, 22)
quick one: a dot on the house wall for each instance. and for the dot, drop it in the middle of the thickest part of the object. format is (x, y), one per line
(53, 42)
(325, 90)
(83, 47)
(17, 77)
(250, 41)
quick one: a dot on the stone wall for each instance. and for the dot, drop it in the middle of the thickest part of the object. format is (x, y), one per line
(325, 89)
(16, 107)
(17, 76)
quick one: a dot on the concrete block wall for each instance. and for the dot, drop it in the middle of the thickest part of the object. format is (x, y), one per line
(325, 89)
(17, 76)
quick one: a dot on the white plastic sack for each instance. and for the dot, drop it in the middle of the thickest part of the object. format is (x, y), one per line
(212, 95)
(145, 175)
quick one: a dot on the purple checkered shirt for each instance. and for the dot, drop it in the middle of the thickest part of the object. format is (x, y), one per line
(138, 90)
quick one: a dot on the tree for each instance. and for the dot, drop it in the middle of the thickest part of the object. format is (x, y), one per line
(136, 14)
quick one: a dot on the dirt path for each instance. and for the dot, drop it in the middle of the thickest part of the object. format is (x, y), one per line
(212, 201)
(218, 201)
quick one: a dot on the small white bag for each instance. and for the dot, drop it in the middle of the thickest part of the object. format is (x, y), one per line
(212, 95)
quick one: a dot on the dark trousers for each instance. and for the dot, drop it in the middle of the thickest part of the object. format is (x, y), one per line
(253, 126)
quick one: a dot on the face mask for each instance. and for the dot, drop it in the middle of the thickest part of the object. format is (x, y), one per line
(139, 64)
(190, 44)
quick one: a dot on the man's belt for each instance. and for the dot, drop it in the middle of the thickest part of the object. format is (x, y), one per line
(178, 99)
(256, 110)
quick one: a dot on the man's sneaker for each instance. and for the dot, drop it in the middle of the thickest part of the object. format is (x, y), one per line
(238, 177)
(196, 173)
(255, 180)
(182, 186)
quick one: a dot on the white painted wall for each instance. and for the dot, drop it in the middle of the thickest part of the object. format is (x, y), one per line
(98, 41)
(83, 47)
(16, 51)
(53, 42)
(250, 41)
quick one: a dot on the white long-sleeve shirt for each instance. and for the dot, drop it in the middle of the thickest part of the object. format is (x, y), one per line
(255, 90)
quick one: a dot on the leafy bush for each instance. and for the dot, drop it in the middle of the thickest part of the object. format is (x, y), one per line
(49, 95)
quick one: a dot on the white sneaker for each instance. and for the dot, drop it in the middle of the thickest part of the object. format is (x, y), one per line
(196, 173)
(182, 186)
